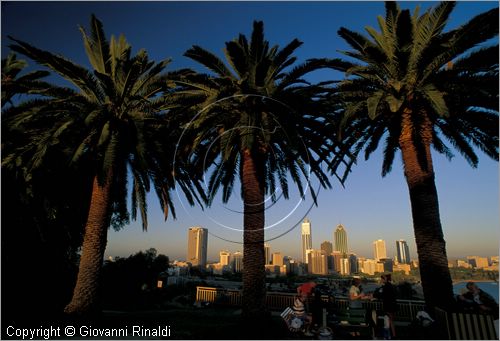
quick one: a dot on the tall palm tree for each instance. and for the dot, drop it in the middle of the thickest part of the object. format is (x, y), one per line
(414, 85)
(259, 123)
(111, 123)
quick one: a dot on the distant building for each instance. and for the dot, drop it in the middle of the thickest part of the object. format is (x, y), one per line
(402, 267)
(345, 268)
(277, 259)
(327, 247)
(267, 252)
(463, 264)
(387, 264)
(337, 259)
(379, 250)
(340, 238)
(296, 268)
(403, 252)
(218, 268)
(237, 261)
(368, 266)
(353, 263)
(225, 257)
(197, 246)
(306, 239)
(273, 270)
(317, 263)
(478, 262)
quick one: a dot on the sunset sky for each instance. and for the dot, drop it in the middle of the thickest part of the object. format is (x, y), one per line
(370, 207)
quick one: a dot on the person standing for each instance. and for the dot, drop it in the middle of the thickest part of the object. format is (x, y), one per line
(356, 294)
(387, 293)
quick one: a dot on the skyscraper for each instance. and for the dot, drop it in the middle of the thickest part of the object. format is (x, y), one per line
(403, 252)
(237, 261)
(197, 246)
(267, 252)
(277, 259)
(306, 239)
(224, 257)
(379, 250)
(317, 263)
(340, 238)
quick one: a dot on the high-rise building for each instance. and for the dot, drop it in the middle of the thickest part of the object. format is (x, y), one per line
(337, 259)
(387, 264)
(379, 250)
(345, 268)
(224, 257)
(340, 238)
(237, 261)
(267, 252)
(277, 259)
(353, 263)
(403, 252)
(306, 239)
(317, 263)
(327, 247)
(197, 246)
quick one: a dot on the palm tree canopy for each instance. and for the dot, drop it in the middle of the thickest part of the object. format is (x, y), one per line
(412, 64)
(112, 120)
(255, 103)
(14, 84)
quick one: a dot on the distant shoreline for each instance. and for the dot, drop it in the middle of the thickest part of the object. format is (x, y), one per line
(474, 280)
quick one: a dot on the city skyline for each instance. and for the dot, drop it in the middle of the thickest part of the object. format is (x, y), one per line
(370, 206)
(197, 244)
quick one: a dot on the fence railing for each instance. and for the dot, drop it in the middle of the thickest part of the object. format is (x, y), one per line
(407, 309)
(466, 326)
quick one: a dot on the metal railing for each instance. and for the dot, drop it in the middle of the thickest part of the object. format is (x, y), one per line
(407, 309)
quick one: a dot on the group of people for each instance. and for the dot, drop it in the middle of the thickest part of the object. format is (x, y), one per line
(307, 308)
(386, 293)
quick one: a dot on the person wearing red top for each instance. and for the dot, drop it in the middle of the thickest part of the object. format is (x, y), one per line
(306, 289)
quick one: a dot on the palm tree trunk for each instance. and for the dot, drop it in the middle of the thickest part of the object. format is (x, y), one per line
(85, 294)
(431, 246)
(254, 276)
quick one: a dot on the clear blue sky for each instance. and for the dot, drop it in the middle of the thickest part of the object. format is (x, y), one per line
(370, 207)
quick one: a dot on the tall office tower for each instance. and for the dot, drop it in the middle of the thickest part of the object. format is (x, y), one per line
(379, 250)
(340, 238)
(317, 263)
(237, 261)
(345, 268)
(267, 252)
(224, 257)
(277, 259)
(327, 247)
(197, 246)
(403, 252)
(337, 259)
(353, 263)
(306, 239)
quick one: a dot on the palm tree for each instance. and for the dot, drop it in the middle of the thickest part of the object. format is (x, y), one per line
(13, 84)
(414, 84)
(258, 123)
(112, 124)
